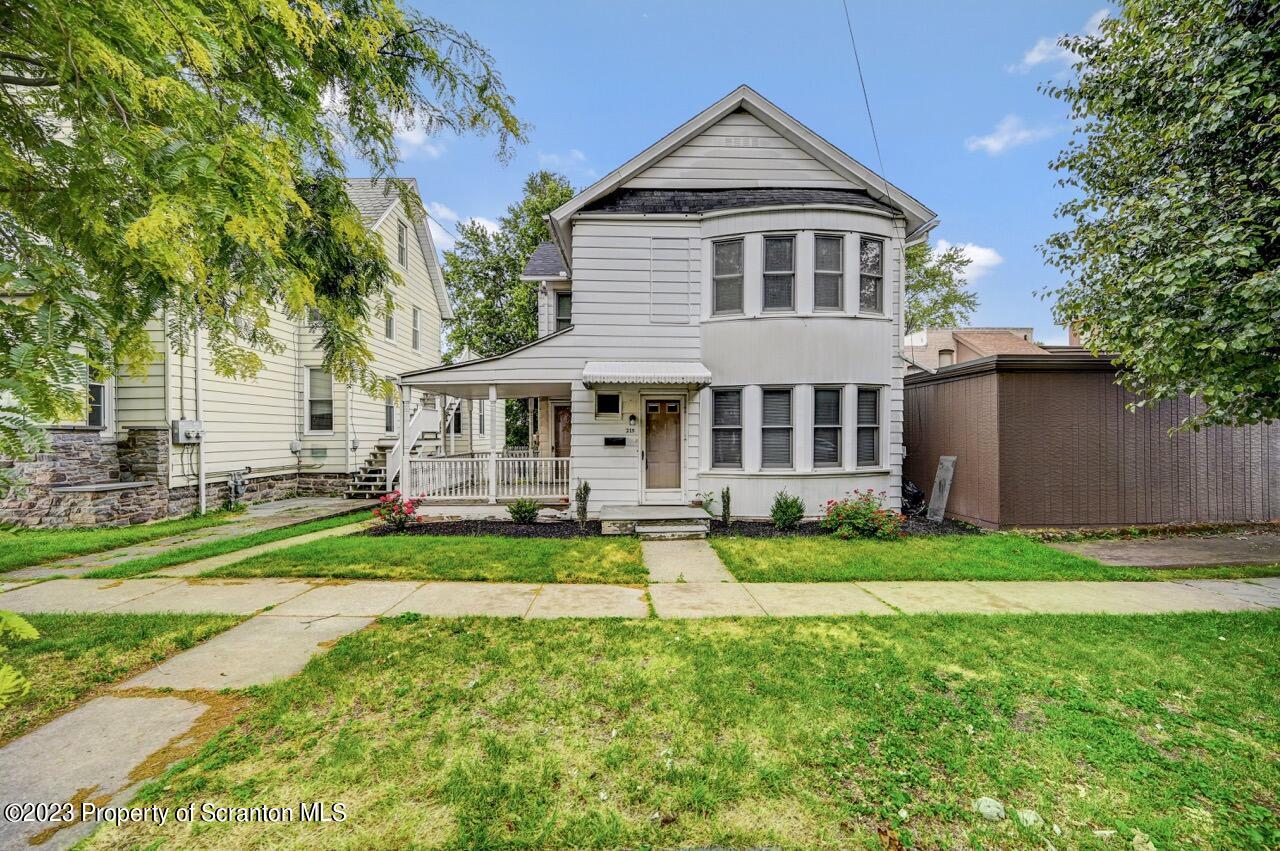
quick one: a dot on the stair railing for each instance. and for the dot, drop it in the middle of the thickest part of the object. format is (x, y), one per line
(423, 420)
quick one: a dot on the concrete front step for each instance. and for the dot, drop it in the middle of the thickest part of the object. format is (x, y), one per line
(671, 531)
(627, 519)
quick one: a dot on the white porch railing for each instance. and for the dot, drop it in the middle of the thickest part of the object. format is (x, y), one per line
(423, 420)
(489, 478)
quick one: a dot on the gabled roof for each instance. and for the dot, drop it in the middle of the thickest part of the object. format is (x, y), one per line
(375, 198)
(545, 264)
(996, 342)
(918, 216)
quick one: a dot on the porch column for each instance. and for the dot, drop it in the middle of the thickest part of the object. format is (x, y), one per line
(404, 449)
(493, 444)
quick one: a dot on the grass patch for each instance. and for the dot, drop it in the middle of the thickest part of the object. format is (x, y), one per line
(490, 733)
(209, 549)
(77, 654)
(479, 559)
(997, 556)
(28, 547)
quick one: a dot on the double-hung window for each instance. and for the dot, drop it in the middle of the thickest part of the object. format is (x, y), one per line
(826, 427)
(564, 310)
(97, 415)
(726, 276)
(828, 272)
(871, 276)
(480, 418)
(779, 273)
(726, 428)
(389, 326)
(402, 245)
(389, 414)
(868, 426)
(417, 328)
(456, 425)
(775, 428)
(319, 400)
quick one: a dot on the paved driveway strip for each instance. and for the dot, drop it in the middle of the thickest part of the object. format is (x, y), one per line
(1184, 551)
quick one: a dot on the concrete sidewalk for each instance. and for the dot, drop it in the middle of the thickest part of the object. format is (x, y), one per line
(256, 518)
(340, 598)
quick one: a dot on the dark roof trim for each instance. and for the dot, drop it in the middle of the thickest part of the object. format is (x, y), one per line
(447, 366)
(1075, 361)
(687, 201)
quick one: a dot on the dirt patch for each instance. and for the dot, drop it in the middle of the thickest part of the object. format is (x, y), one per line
(499, 528)
(222, 710)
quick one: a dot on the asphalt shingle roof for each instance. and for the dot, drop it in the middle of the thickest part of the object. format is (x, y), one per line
(545, 262)
(704, 200)
(373, 196)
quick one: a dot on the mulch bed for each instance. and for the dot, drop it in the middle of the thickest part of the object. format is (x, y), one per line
(499, 528)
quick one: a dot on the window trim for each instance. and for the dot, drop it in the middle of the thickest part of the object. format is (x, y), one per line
(840, 287)
(877, 427)
(565, 295)
(416, 320)
(790, 427)
(765, 273)
(607, 415)
(838, 425)
(307, 400)
(951, 353)
(741, 276)
(389, 327)
(402, 244)
(880, 310)
(739, 428)
(389, 413)
(104, 407)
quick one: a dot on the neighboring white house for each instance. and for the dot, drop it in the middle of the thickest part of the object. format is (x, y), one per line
(724, 310)
(292, 430)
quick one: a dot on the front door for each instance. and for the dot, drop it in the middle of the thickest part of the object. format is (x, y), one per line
(564, 416)
(662, 445)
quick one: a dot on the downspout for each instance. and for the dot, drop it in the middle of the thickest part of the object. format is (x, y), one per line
(200, 419)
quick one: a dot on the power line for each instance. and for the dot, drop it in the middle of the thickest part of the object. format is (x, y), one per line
(441, 224)
(865, 98)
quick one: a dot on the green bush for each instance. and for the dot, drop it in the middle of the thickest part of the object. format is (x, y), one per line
(524, 510)
(725, 516)
(863, 515)
(581, 495)
(787, 510)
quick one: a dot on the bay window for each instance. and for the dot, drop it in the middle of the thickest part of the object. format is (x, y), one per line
(826, 426)
(779, 273)
(775, 429)
(726, 276)
(726, 428)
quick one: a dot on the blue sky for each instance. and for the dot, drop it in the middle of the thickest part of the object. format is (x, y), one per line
(953, 91)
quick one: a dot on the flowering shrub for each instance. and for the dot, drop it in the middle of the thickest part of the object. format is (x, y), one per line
(862, 515)
(396, 512)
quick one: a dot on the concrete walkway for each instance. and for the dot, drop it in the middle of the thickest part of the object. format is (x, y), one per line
(683, 561)
(256, 518)
(1182, 551)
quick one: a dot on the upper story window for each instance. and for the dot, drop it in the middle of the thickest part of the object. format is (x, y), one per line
(826, 426)
(389, 326)
(402, 244)
(828, 272)
(946, 357)
(417, 328)
(779, 273)
(564, 310)
(775, 428)
(726, 276)
(868, 426)
(319, 400)
(726, 428)
(871, 281)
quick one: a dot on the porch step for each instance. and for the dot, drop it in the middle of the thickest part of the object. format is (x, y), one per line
(654, 519)
(671, 531)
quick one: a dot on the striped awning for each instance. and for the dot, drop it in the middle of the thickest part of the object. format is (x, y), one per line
(689, 373)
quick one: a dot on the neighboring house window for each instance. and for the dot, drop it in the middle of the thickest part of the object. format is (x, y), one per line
(871, 281)
(97, 416)
(609, 405)
(313, 317)
(779, 272)
(456, 426)
(775, 432)
(828, 272)
(726, 277)
(826, 427)
(534, 415)
(389, 414)
(402, 244)
(389, 326)
(319, 400)
(417, 328)
(564, 310)
(726, 428)
(946, 357)
(480, 418)
(868, 427)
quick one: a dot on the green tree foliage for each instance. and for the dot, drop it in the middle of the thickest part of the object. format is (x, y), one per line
(936, 288)
(13, 685)
(184, 158)
(494, 311)
(1173, 251)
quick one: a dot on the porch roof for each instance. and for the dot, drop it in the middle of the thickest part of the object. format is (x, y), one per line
(645, 372)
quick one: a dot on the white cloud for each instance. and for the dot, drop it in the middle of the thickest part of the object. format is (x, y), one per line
(1010, 132)
(488, 224)
(1047, 51)
(412, 141)
(572, 164)
(981, 258)
(440, 211)
(443, 216)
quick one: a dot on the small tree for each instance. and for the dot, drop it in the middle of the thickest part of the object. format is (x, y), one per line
(936, 288)
(581, 496)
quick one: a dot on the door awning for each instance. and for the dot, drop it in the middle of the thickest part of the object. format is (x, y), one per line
(689, 373)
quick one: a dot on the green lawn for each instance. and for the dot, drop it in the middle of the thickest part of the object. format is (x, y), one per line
(482, 559)
(26, 547)
(997, 556)
(799, 733)
(183, 555)
(76, 654)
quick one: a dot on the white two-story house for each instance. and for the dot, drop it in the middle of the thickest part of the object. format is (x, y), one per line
(723, 310)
